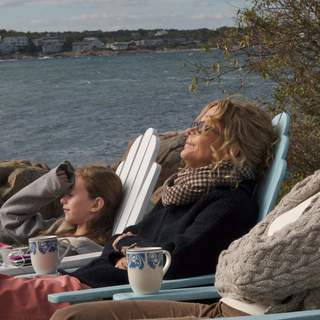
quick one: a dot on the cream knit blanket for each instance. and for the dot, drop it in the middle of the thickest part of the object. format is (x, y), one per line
(282, 270)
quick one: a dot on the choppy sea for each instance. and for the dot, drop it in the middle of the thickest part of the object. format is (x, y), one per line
(86, 109)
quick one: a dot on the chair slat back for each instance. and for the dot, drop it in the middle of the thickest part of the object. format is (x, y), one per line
(133, 173)
(268, 189)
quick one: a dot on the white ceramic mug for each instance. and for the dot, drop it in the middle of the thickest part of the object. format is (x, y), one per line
(44, 251)
(146, 269)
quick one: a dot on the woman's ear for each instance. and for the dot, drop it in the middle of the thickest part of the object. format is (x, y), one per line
(98, 204)
(232, 151)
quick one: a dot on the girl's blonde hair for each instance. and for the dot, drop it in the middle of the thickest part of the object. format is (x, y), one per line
(100, 181)
(247, 136)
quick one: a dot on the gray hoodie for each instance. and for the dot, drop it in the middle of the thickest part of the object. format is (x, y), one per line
(20, 217)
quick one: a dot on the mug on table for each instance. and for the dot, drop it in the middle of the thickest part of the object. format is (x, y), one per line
(45, 256)
(146, 268)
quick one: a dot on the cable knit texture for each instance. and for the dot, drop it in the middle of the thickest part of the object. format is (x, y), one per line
(281, 271)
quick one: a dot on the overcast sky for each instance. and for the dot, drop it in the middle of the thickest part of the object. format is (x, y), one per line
(108, 15)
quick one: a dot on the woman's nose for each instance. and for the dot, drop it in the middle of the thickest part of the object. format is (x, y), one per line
(189, 131)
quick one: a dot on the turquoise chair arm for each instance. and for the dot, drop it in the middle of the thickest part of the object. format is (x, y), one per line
(200, 293)
(300, 315)
(184, 294)
(107, 292)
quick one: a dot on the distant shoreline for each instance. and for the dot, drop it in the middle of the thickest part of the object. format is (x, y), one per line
(98, 53)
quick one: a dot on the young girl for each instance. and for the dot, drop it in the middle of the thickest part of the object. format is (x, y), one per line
(89, 195)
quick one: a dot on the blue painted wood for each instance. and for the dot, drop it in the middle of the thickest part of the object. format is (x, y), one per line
(198, 293)
(268, 188)
(108, 292)
(300, 315)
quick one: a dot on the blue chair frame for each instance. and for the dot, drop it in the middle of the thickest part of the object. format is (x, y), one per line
(267, 193)
(210, 292)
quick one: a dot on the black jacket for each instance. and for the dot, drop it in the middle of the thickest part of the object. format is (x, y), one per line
(194, 234)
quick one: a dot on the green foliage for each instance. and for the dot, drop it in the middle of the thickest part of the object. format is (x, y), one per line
(280, 40)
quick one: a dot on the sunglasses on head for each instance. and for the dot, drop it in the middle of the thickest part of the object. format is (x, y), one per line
(203, 126)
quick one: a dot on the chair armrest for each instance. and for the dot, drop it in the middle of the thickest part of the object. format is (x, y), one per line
(299, 315)
(87, 294)
(198, 293)
(108, 292)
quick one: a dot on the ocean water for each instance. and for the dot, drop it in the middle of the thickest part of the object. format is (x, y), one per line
(87, 109)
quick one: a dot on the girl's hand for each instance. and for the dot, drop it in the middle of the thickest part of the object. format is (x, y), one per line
(122, 264)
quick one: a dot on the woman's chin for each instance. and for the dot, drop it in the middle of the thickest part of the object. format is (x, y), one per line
(184, 154)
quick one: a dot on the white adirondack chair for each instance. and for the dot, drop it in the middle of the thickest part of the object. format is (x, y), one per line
(139, 174)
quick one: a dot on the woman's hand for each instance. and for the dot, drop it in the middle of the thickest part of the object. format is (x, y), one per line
(122, 263)
(121, 236)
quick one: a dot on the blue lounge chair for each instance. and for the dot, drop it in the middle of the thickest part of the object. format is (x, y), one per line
(200, 293)
(267, 193)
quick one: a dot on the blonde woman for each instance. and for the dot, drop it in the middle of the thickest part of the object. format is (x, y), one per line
(204, 206)
(89, 196)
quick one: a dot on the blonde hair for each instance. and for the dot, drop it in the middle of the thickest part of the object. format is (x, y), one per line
(100, 181)
(247, 137)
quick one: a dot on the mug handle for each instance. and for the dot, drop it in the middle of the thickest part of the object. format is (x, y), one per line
(168, 261)
(60, 257)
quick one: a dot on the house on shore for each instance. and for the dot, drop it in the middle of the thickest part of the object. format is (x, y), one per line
(13, 44)
(121, 46)
(87, 44)
(50, 43)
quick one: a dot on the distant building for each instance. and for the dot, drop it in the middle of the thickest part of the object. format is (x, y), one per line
(52, 46)
(87, 44)
(161, 33)
(121, 46)
(15, 43)
(149, 43)
(6, 48)
(50, 43)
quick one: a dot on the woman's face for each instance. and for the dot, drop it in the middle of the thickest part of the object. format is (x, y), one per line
(77, 205)
(197, 149)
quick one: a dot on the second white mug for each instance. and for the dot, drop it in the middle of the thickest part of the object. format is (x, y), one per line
(146, 269)
(44, 252)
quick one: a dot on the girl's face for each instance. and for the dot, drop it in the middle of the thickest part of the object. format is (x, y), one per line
(197, 149)
(77, 205)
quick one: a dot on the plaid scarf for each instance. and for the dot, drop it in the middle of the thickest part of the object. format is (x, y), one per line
(189, 184)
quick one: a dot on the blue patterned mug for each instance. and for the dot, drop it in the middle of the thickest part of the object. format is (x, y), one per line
(44, 252)
(146, 268)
